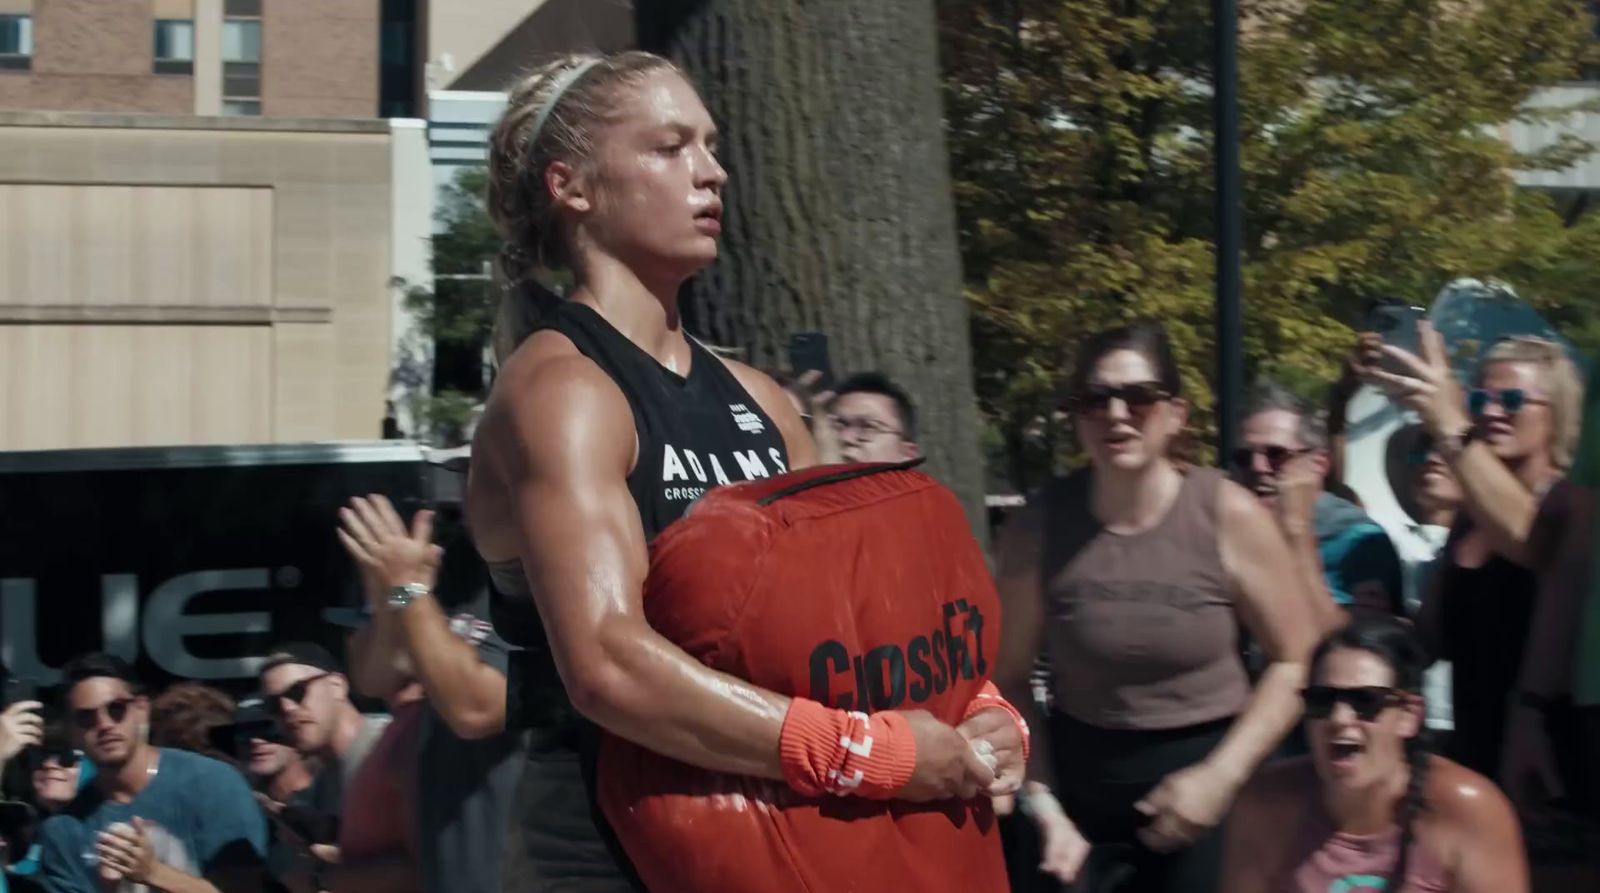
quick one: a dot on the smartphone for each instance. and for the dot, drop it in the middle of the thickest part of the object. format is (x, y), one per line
(1397, 323)
(18, 690)
(808, 351)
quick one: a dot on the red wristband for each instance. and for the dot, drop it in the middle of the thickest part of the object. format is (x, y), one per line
(828, 751)
(989, 697)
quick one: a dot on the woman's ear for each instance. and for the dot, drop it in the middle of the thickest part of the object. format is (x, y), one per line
(566, 187)
(1415, 711)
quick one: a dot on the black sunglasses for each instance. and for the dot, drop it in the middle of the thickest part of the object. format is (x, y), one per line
(1367, 701)
(1244, 458)
(1139, 397)
(295, 693)
(65, 757)
(89, 717)
(1512, 400)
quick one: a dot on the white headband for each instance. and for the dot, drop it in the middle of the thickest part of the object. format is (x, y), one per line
(562, 86)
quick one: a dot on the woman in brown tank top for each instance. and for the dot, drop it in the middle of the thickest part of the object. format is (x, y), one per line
(1137, 575)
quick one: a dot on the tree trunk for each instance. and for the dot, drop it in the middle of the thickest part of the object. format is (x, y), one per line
(839, 212)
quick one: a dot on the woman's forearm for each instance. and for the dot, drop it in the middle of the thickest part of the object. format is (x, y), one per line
(1273, 710)
(650, 692)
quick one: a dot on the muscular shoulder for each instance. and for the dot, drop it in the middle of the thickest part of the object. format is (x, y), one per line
(549, 397)
(1465, 802)
(760, 385)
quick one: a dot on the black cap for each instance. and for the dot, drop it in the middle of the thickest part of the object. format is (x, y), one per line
(308, 654)
(251, 719)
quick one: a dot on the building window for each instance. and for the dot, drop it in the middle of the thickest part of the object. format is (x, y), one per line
(241, 62)
(16, 42)
(174, 46)
(241, 40)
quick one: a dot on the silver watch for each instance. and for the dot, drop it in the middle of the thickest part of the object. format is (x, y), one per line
(401, 596)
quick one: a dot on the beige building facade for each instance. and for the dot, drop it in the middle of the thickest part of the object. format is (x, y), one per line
(193, 280)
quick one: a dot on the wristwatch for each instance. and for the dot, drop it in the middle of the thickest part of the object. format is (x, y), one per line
(401, 596)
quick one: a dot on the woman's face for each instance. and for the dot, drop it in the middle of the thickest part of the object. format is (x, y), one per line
(53, 785)
(1515, 433)
(1353, 751)
(1437, 488)
(1121, 430)
(651, 195)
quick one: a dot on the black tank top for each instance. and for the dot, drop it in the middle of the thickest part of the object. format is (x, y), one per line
(694, 433)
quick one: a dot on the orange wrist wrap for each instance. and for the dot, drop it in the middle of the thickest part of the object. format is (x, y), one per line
(989, 696)
(828, 751)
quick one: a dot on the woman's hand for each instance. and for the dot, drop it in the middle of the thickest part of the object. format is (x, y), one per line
(21, 726)
(1431, 389)
(1062, 848)
(387, 553)
(996, 728)
(1184, 806)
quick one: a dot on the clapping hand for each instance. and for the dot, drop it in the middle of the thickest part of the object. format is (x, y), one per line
(388, 554)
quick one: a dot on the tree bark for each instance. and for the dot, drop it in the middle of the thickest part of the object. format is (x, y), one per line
(839, 215)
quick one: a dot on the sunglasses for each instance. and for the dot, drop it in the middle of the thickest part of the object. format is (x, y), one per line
(1511, 400)
(295, 693)
(1139, 397)
(1244, 458)
(89, 717)
(1367, 701)
(65, 757)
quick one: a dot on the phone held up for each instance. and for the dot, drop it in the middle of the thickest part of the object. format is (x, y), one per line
(1397, 323)
(808, 352)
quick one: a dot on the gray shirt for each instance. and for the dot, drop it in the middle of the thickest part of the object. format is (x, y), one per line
(466, 788)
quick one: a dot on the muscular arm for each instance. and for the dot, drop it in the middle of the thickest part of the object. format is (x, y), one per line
(1278, 610)
(1017, 576)
(1491, 858)
(564, 447)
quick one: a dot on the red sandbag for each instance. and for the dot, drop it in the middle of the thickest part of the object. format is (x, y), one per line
(859, 587)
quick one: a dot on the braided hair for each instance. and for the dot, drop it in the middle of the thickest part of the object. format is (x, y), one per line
(1393, 642)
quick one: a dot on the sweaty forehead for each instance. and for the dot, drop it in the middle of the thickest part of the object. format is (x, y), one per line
(661, 98)
(1274, 427)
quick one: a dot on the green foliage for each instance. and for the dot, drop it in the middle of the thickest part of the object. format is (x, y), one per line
(1080, 134)
(460, 311)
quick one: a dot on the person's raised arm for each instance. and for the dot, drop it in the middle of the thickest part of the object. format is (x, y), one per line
(1277, 610)
(1502, 505)
(467, 693)
(564, 448)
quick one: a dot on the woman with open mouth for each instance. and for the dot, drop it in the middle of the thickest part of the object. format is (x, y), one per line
(1371, 808)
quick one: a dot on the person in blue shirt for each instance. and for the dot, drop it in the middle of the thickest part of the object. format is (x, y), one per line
(172, 821)
(1283, 459)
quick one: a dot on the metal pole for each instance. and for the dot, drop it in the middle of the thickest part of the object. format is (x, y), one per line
(1230, 336)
